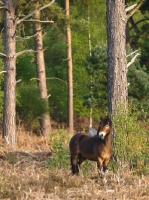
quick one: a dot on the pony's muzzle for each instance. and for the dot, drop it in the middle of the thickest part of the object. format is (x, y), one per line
(102, 135)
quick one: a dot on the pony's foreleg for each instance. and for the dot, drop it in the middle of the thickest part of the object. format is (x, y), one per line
(74, 166)
(99, 166)
(105, 165)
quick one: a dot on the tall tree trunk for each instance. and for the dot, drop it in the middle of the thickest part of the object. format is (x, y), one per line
(70, 73)
(90, 47)
(41, 74)
(117, 63)
(9, 109)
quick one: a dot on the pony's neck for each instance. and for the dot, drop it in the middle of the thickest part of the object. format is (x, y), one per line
(108, 140)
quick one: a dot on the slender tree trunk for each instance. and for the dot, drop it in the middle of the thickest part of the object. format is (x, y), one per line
(117, 63)
(70, 73)
(41, 74)
(9, 109)
(90, 46)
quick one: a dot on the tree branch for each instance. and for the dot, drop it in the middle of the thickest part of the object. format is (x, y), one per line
(58, 79)
(35, 20)
(25, 51)
(34, 79)
(48, 96)
(135, 9)
(31, 14)
(132, 53)
(2, 72)
(18, 81)
(27, 37)
(49, 78)
(130, 7)
(132, 60)
(141, 20)
(3, 55)
(3, 7)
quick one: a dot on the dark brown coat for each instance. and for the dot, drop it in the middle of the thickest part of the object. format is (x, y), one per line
(95, 148)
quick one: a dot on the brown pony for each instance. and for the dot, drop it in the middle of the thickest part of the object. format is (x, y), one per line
(95, 148)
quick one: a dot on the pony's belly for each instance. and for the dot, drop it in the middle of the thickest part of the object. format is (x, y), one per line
(89, 156)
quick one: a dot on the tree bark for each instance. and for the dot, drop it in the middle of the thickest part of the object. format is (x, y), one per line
(9, 108)
(117, 63)
(41, 73)
(70, 73)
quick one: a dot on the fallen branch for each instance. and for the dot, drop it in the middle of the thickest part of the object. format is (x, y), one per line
(31, 14)
(6, 139)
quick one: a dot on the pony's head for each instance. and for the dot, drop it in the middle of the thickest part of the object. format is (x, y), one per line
(104, 129)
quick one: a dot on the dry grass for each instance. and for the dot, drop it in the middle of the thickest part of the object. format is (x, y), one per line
(24, 175)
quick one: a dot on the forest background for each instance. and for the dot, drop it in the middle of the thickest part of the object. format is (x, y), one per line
(39, 167)
(89, 65)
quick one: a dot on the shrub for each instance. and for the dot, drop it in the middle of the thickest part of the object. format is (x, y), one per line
(59, 141)
(30, 107)
(130, 143)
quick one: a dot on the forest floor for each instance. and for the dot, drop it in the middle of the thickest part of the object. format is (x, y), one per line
(25, 175)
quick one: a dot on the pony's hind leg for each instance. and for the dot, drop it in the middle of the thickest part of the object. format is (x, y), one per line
(74, 165)
(80, 161)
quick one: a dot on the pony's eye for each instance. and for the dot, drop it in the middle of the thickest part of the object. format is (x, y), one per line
(107, 126)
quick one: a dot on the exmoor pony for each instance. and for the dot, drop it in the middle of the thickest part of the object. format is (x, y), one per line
(95, 148)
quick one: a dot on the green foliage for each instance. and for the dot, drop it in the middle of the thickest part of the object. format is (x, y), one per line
(130, 142)
(144, 58)
(30, 107)
(138, 88)
(58, 99)
(138, 79)
(130, 145)
(96, 68)
(59, 142)
(25, 68)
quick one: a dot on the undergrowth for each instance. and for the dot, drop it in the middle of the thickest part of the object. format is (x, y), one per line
(130, 142)
(130, 146)
(59, 140)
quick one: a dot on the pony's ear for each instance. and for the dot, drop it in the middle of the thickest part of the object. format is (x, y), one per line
(108, 117)
(101, 118)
